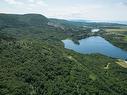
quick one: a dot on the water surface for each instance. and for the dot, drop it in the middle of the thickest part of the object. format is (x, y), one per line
(96, 44)
(95, 30)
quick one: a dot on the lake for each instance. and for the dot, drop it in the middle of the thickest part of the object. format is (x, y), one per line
(95, 44)
(95, 30)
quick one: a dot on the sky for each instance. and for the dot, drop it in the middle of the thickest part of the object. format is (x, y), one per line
(105, 10)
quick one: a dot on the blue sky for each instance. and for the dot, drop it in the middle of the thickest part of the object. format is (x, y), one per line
(105, 10)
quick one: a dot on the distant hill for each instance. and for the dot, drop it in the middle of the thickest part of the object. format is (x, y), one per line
(14, 20)
(121, 22)
(86, 23)
(100, 23)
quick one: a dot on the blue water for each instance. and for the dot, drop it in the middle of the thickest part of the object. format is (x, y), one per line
(95, 44)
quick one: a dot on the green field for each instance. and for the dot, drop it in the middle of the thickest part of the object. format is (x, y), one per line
(125, 38)
(116, 30)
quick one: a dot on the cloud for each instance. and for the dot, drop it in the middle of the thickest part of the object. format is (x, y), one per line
(124, 3)
(104, 10)
(26, 6)
(13, 2)
(31, 1)
(28, 3)
(76, 11)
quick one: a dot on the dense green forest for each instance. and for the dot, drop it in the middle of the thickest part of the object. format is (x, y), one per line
(33, 60)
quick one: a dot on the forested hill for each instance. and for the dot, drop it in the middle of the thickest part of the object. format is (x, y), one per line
(14, 20)
(33, 60)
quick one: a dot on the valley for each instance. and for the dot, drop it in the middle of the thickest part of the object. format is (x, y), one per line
(34, 61)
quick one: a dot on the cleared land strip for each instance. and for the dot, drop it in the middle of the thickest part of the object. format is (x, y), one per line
(122, 63)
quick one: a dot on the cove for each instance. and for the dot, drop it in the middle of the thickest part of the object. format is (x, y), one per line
(95, 44)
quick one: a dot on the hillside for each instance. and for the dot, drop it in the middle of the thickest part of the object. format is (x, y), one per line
(14, 20)
(39, 68)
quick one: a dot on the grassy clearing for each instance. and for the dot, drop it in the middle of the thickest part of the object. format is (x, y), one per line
(107, 66)
(122, 63)
(116, 30)
(93, 76)
(125, 38)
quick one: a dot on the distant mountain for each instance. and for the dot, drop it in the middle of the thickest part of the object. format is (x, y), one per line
(98, 21)
(121, 22)
(79, 20)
